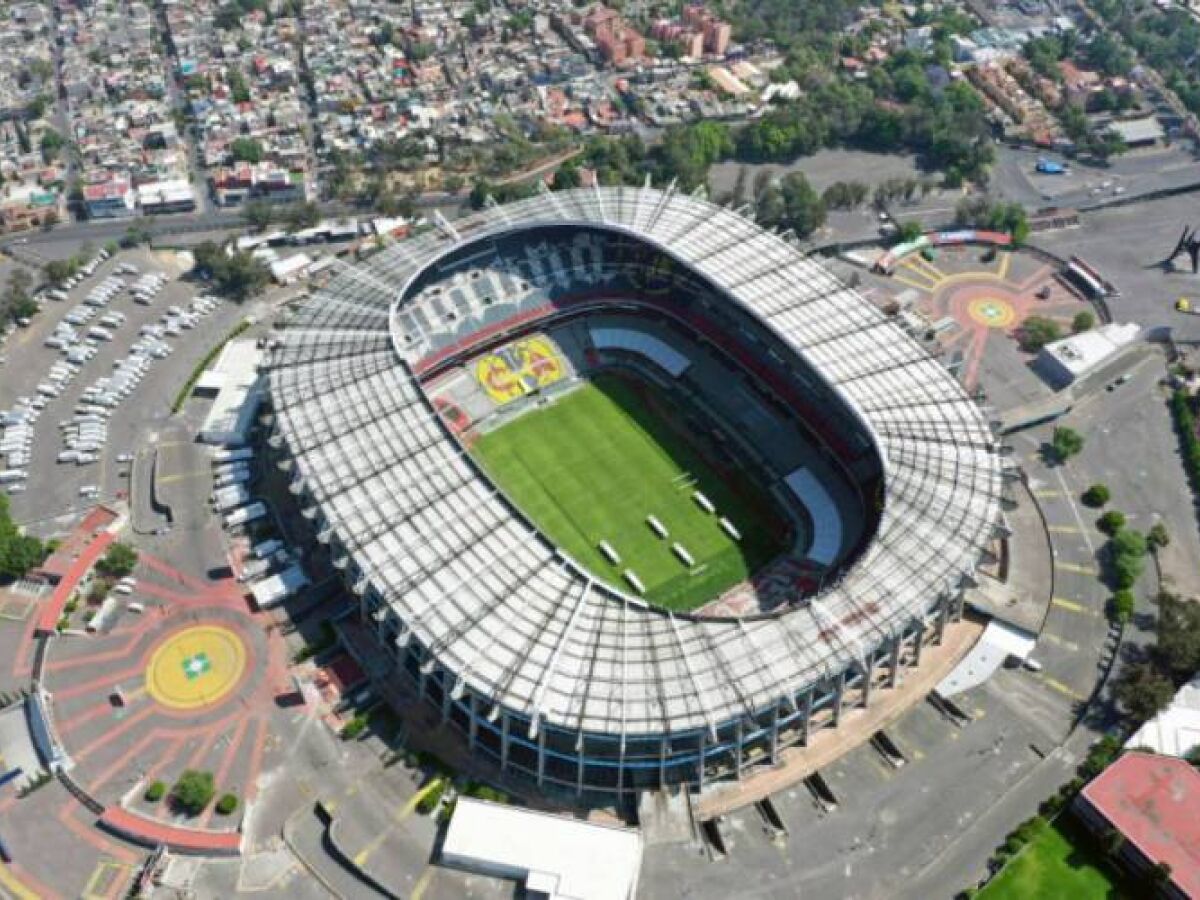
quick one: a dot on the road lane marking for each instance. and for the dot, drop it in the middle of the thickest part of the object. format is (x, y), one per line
(1005, 262)
(104, 878)
(1047, 493)
(1068, 604)
(924, 288)
(10, 882)
(1087, 538)
(401, 814)
(1077, 569)
(1060, 642)
(1072, 606)
(422, 883)
(1063, 529)
(1063, 689)
(183, 476)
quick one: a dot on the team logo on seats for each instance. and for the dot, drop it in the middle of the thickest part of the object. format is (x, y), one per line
(518, 369)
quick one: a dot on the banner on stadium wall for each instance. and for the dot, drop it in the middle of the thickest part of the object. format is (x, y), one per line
(970, 236)
(888, 261)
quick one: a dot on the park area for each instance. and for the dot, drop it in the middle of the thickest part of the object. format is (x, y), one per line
(596, 463)
(1058, 863)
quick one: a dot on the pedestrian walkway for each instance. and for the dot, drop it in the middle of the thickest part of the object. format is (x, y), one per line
(149, 833)
(53, 609)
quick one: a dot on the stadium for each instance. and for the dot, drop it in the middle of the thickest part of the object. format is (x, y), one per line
(632, 493)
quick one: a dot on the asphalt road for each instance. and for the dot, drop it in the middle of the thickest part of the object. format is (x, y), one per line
(1127, 244)
(1014, 177)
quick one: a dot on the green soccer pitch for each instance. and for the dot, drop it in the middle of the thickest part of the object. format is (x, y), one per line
(594, 464)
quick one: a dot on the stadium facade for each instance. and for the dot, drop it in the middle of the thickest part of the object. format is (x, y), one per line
(551, 673)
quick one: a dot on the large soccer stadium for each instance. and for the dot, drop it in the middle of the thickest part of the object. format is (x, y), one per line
(631, 491)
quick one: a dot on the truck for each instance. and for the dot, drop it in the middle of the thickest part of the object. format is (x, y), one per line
(229, 456)
(266, 548)
(248, 513)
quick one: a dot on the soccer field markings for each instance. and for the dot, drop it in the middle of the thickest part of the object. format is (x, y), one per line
(547, 464)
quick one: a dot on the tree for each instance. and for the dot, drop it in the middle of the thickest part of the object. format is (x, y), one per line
(246, 150)
(118, 561)
(227, 804)
(237, 275)
(804, 211)
(1127, 551)
(193, 791)
(688, 151)
(15, 303)
(1158, 536)
(258, 214)
(1143, 690)
(303, 215)
(18, 552)
(156, 791)
(1036, 332)
(52, 144)
(1066, 442)
(1111, 522)
(59, 270)
(1083, 321)
(909, 232)
(1178, 635)
(1106, 53)
(845, 195)
(134, 236)
(1096, 496)
(1122, 605)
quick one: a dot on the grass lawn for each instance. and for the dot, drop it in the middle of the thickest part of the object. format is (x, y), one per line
(594, 464)
(1057, 864)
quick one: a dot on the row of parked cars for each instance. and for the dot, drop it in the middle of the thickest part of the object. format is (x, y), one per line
(16, 444)
(77, 337)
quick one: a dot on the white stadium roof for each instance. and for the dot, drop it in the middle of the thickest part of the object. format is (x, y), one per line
(510, 616)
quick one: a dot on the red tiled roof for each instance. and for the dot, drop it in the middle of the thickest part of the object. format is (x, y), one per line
(1153, 800)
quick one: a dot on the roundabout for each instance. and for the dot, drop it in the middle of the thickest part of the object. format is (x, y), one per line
(195, 666)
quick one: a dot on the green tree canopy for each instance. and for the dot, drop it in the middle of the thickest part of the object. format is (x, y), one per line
(118, 561)
(1143, 690)
(1038, 331)
(1066, 442)
(1179, 634)
(236, 275)
(193, 791)
(258, 214)
(245, 149)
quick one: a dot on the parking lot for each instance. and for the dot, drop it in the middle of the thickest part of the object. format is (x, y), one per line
(889, 824)
(140, 384)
